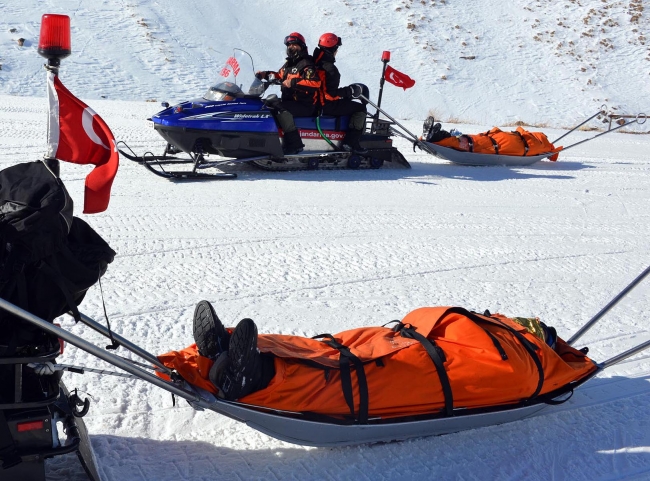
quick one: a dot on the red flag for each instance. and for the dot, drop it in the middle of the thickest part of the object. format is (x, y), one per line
(78, 135)
(398, 78)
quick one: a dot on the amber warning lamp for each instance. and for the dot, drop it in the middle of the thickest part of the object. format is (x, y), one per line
(54, 39)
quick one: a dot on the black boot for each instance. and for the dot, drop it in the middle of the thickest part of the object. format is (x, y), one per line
(429, 129)
(242, 371)
(351, 142)
(292, 143)
(209, 334)
(432, 131)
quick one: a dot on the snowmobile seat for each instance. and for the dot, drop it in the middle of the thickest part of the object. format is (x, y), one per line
(326, 122)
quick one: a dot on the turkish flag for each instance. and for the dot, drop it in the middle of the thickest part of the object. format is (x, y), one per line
(398, 78)
(77, 134)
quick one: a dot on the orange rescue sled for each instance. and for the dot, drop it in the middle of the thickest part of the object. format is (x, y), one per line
(496, 147)
(437, 361)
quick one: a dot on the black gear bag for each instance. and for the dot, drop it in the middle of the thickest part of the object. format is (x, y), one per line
(48, 257)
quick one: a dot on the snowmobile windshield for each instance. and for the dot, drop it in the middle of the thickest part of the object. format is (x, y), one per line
(236, 79)
(223, 91)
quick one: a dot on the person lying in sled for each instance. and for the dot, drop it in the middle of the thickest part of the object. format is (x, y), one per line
(436, 359)
(335, 100)
(520, 142)
(300, 90)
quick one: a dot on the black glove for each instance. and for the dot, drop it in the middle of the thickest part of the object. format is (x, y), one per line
(345, 93)
(356, 90)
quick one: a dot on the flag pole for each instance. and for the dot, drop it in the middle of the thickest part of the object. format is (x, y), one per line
(49, 160)
(54, 45)
(385, 58)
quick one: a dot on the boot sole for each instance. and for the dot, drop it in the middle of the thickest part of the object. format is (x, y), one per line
(218, 368)
(209, 334)
(243, 345)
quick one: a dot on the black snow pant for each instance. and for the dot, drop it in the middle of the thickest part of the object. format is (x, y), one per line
(356, 111)
(288, 109)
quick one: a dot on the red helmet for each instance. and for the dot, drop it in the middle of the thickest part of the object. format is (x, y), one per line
(295, 37)
(329, 40)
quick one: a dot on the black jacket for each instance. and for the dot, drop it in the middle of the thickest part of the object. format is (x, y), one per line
(329, 76)
(305, 83)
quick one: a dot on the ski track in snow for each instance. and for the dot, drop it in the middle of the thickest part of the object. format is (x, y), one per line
(311, 252)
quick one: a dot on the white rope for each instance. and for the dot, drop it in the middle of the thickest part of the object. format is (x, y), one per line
(48, 368)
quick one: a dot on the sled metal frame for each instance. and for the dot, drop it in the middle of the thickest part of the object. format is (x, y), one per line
(300, 428)
(613, 117)
(479, 159)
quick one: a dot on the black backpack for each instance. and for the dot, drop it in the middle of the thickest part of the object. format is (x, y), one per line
(48, 257)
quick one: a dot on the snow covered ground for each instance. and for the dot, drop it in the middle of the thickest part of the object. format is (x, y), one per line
(306, 253)
(313, 252)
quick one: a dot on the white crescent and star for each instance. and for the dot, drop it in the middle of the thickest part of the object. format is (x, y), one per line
(87, 123)
(391, 76)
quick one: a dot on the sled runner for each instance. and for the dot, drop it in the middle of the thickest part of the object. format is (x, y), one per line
(309, 429)
(233, 123)
(470, 158)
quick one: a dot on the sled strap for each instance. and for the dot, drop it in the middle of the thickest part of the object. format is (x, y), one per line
(523, 141)
(345, 358)
(437, 355)
(495, 144)
(529, 346)
(470, 142)
(497, 345)
(114, 344)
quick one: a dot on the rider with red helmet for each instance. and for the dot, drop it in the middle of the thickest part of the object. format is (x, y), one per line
(337, 100)
(300, 90)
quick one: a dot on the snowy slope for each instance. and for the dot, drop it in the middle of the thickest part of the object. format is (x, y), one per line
(312, 252)
(479, 61)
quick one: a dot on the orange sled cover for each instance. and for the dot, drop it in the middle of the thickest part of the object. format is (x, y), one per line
(484, 361)
(495, 141)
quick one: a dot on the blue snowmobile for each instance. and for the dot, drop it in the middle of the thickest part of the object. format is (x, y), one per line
(233, 121)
